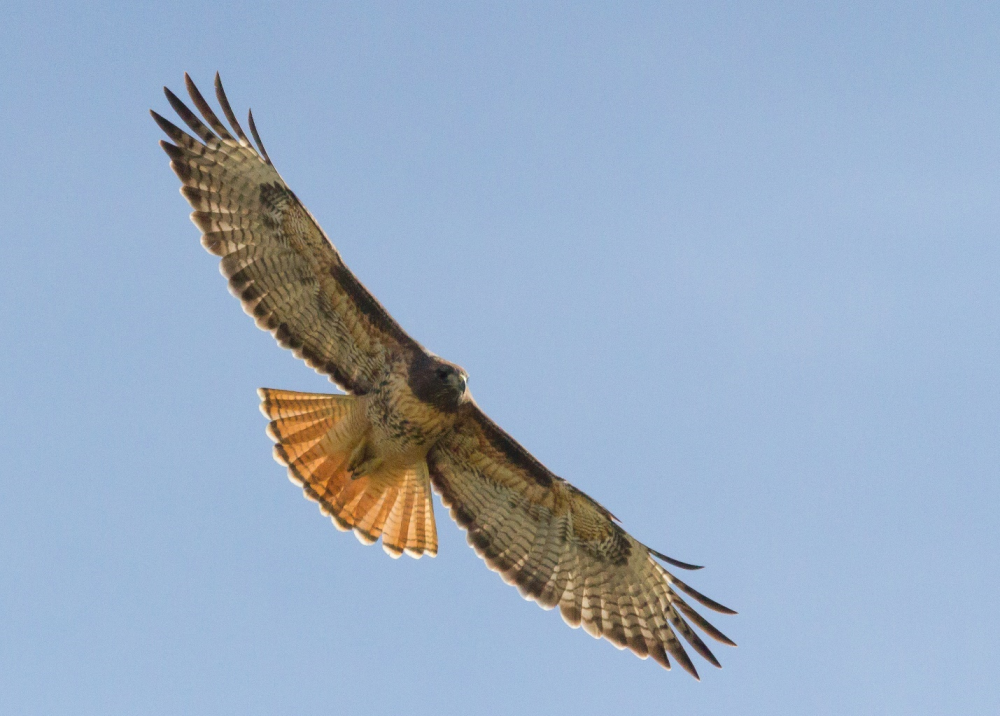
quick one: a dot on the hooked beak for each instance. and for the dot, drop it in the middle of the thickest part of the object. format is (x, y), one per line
(458, 382)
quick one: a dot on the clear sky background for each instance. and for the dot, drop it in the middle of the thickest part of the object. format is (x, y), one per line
(732, 269)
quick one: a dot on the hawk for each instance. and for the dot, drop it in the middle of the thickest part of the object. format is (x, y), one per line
(407, 421)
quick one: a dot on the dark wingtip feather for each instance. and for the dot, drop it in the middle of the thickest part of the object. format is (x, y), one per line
(703, 624)
(695, 594)
(675, 562)
(685, 661)
(701, 647)
(205, 108)
(189, 117)
(660, 655)
(260, 144)
(172, 150)
(220, 94)
(170, 129)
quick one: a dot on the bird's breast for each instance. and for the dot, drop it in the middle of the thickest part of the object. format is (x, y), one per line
(403, 426)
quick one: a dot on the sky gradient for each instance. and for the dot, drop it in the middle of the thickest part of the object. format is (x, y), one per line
(732, 271)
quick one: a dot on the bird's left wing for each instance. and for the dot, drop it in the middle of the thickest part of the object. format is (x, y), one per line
(278, 260)
(561, 548)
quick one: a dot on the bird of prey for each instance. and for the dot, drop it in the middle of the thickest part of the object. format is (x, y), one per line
(407, 420)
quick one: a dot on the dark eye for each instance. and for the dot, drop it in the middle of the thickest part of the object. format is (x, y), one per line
(442, 373)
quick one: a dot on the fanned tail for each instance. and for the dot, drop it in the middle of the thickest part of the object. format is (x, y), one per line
(315, 436)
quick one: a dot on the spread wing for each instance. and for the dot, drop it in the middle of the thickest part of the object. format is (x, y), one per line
(279, 262)
(563, 549)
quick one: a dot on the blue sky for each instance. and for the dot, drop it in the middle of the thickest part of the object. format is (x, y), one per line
(730, 269)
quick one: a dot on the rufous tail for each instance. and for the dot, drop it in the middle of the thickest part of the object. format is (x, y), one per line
(314, 436)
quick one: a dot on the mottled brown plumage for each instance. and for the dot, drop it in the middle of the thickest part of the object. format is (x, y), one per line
(369, 458)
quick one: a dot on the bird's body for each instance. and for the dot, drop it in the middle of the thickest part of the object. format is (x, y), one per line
(405, 420)
(408, 421)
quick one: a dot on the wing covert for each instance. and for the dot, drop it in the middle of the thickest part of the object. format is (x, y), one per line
(561, 548)
(279, 262)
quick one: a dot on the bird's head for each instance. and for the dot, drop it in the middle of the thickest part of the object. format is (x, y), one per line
(438, 382)
(452, 376)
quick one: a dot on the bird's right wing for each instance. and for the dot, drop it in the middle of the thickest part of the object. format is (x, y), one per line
(278, 260)
(561, 548)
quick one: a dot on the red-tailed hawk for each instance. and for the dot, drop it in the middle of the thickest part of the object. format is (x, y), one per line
(408, 421)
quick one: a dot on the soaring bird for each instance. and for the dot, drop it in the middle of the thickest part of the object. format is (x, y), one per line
(407, 420)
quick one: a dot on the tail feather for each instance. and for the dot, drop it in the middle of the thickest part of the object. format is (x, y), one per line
(299, 430)
(314, 437)
(410, 525)
(371, 512)
(289, 403)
